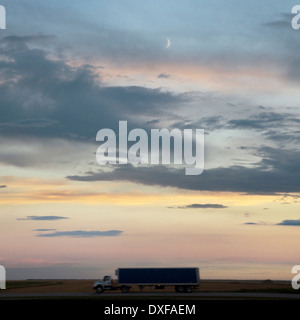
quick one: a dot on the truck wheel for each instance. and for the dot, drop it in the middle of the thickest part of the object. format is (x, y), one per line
(125, 289)
(188, 289)
(99, 289)
(180, 289)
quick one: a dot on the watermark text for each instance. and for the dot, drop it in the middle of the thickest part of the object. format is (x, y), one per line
(296, 18)
(2, 17)
(296, 279)
(2, 278)
(134, 147)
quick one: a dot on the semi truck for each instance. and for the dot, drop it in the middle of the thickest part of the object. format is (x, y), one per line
(182, 279)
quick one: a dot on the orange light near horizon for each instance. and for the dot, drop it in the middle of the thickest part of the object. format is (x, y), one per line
(27, 191)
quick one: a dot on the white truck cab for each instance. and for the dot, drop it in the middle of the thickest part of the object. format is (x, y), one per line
(104, 284)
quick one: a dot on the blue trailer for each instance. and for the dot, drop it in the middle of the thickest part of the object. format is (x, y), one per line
(183, 279)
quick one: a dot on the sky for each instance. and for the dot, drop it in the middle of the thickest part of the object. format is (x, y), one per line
(71, 68)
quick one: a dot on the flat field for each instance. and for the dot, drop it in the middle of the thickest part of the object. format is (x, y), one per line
(86, 286)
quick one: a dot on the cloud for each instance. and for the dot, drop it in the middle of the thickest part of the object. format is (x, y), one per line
(43, 218)
(282, 138)
(43, 230)
(284, 21)
(280, 127)
(164, 76)
(203, 206)
(286, 55)
(47, 97)
(35, 38)
(289, 223)
(43, 152)
(279, 24)
(3, 186)
(261, 223)
(154, 121)
(71, 103)
(282, 223)
(209, 123)
(264, 121)
(81, 234)
(48, 105)
(277, 172)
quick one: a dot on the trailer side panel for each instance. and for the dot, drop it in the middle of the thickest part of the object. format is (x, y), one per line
(148, 276)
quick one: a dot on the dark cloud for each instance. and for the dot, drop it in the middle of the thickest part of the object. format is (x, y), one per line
(275, 126)
(282, 223)
(283, 22)
(289, 223)
(43, 97)
(277, 172)
(264, 121)
(81, 234)
(36, 38)
(154, 121)
(283, 137)
(47, 97)
(164, 76)
(28, 124)
(3, 186)
(203, 206)
(209, 123)
(278, 24)
(43, 218)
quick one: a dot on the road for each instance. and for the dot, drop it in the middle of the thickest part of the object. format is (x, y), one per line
(166, 295)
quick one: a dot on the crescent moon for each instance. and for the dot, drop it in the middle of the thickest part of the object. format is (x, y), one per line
(168, 45)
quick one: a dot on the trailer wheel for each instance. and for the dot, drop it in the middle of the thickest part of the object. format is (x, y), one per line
(180, 289)
(188, 289)
(99, 289)
(125, 289)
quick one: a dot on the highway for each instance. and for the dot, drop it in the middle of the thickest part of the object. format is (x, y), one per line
(147, 295)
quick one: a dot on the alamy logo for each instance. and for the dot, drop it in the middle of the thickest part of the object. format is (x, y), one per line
(296, 19)
(188, 145)
(2, 278)
(296, 279)
(2, 18)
